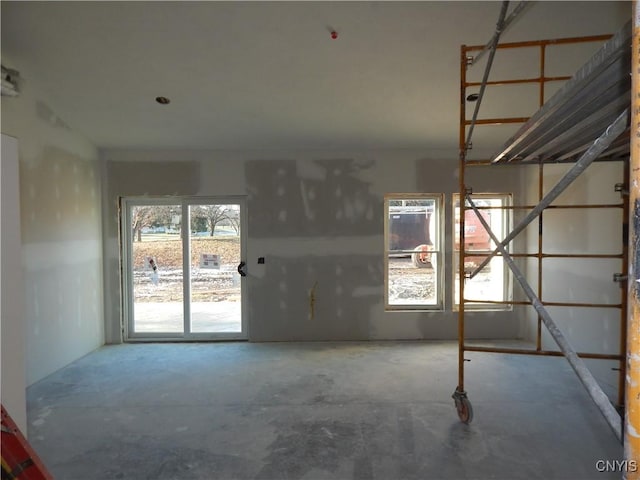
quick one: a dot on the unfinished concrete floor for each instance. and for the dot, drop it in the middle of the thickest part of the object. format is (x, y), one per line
(314, 411)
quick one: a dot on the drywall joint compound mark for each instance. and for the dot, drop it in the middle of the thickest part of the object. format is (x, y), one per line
(312, 301)
(305, 201)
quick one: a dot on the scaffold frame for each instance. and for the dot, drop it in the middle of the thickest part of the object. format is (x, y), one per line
(607, 140)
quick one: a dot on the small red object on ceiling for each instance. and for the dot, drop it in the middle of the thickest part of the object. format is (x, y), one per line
(334, 34)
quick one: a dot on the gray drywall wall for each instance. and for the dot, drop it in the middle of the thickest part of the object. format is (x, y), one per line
(12, 325)
(585, 231)
(61, 233)
(317, 218)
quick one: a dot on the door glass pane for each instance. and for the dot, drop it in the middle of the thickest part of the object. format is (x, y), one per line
(157, 268)
(215, 256)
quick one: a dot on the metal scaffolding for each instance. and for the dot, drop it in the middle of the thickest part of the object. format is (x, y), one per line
(632, 412)
(586, 120)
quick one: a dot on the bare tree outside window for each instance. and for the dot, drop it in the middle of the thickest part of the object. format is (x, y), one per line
(213, 214)
(148, 216)
(234, 219)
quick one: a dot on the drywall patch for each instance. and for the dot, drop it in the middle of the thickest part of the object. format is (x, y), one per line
(311, 198)
(153, 178)
(55, 200)
(342, 287)
(310, 171)
(47, 115)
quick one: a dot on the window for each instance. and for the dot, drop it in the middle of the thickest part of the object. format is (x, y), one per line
(413, 255)
(491, 286)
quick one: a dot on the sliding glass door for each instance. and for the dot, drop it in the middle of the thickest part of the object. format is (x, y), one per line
(183, 268)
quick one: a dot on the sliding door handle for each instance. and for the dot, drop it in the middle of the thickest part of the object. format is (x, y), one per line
(241, 269)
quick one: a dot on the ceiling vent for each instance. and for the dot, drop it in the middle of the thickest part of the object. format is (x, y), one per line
(9, 82)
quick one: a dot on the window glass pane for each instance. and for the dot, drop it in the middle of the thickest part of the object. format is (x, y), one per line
(412, 243)
(411, 225)
(491, 284)
(409, 284)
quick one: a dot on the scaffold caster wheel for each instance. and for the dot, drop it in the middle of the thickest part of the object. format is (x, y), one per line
(463, 406)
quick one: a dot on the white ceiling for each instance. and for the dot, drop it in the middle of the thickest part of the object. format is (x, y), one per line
(267, 75)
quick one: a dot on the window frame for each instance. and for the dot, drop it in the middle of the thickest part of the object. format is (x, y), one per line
(507, 282)
(437, 250)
